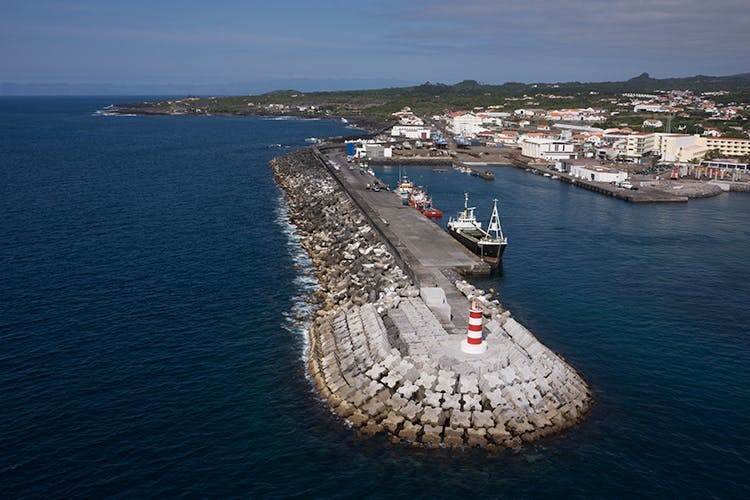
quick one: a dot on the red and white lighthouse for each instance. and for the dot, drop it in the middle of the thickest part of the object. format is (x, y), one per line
(473, 343)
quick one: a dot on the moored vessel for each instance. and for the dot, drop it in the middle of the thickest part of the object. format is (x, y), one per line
(488, 244)
(404, 188)
(420, 200)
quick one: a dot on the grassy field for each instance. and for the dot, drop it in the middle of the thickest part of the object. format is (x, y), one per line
(431, 99)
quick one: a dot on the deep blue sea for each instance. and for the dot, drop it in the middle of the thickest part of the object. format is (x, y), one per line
(149, 285)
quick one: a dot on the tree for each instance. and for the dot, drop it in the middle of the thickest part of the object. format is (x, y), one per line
(712, 154)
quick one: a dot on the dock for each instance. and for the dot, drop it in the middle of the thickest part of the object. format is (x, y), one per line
(388, 339)
(642, 195)
(428, 252)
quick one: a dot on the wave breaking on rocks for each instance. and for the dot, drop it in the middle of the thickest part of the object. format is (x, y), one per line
(382, 359)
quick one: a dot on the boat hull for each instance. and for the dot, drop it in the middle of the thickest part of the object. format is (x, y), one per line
(491, 253)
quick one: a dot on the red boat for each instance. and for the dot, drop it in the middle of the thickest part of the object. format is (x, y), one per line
(419, 199)
(433, 213)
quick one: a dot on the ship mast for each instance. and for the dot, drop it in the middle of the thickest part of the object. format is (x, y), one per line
(494, 226)
(466, 206)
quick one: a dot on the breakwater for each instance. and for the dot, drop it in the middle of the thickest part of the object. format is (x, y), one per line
(387, 363)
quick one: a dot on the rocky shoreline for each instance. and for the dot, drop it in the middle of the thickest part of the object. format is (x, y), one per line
(382, 359)
(364, 123)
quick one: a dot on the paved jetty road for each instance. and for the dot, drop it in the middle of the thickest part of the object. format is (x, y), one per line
(425, 248)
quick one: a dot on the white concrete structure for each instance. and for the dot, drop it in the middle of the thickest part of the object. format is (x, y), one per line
(411, 132)
(547, 148)
(726, 164)
(590, 115)
(597, 173)
(528, 112)
(728, 146)
(506, 137)
(467, 124)
(680, 147)
(493, 117)
(635, 146)
(650, 108)
(406, 117)
(677, 147)
(434, 298)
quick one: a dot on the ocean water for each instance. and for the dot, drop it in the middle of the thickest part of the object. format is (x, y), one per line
(152, 305)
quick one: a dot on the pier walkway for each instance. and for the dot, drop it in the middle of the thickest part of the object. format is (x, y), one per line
(427, 251)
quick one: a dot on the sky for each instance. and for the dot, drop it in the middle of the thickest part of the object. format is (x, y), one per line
(227, 46)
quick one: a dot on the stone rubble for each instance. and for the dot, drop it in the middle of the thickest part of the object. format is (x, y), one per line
(378, 354)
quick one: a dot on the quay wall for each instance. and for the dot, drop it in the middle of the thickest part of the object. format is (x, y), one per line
(386, 365)
(401, 255)
(640, 196)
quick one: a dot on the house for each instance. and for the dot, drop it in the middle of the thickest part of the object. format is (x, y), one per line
(529, 112)
(505, 138)
(577, 115)
(651, 108)
(653, 123)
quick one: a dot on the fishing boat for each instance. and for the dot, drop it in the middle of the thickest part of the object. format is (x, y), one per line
(484, 174)
(488, 244)
(421, 200)
(429, 210)
(404, 188)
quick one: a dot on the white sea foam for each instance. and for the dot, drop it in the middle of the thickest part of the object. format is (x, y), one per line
(299, 319)
(104, 112)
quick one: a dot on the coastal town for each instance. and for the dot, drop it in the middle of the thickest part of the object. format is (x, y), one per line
(573, 145)
(657, 145)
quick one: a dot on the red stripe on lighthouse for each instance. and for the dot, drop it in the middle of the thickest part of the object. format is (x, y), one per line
(474, 343)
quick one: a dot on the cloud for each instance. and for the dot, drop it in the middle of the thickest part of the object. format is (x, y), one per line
(662, 25)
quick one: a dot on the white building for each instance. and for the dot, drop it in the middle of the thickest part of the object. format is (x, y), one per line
(493, 117)
(727, 164)
(411, 132)
(729, 146)
(372, 151)
(411, 120)
(676, 147)
(547, 148)
(406, 117)
(577, 115)
(467, 124)
(650, 108)
(635, 146)
(528, 112)
(597, 173)
(680, 147)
